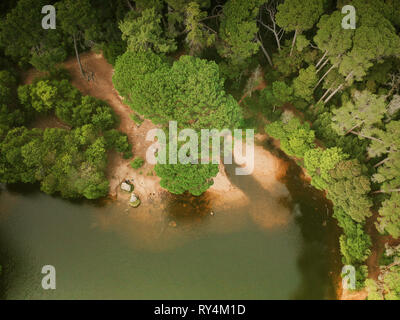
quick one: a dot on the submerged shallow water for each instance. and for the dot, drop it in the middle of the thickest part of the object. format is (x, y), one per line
(100, 251)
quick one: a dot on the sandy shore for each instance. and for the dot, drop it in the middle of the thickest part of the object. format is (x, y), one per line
(267, 170)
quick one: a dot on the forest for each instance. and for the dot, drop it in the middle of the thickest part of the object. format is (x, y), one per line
(331, 96)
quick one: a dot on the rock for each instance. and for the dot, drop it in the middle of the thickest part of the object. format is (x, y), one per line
(134, 201)
(126, 187)
(135, 204)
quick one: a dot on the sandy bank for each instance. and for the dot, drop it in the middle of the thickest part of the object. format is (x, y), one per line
(267, 168)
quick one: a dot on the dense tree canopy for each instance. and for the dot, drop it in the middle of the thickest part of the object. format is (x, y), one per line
(190, 91)
(330, 95)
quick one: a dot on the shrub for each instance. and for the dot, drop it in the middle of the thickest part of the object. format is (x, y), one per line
(137, 163)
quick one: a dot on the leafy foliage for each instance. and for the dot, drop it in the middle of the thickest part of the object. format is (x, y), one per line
(144, 32)
(69, 162)
(179, 178)
(190, 92)
(137, 163)
(296, 138)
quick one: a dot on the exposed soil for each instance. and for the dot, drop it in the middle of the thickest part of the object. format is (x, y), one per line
(146, 185)
(267, 170)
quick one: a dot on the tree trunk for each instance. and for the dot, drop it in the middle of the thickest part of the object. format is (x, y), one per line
(381, 162)
(367, 137)
(320, 61)
(338, 88)
(130, 5)
(323, 77)
(77, 56)
(293, 42)
(265, 52)
(273, 30)
(389, 191)
(325, 94)
(322, 66)
(278, 42)
(333, 93)
(355, 127)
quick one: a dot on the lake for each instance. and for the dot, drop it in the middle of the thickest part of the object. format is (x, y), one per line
(101, 251)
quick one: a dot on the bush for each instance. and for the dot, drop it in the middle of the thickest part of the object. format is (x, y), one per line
(137, 163)
(128, 154)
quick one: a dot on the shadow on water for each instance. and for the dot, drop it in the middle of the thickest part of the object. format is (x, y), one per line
(319, 260)
(188, 209)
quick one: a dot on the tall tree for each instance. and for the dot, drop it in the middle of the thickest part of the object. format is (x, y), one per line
(24, 39)
(360, 115)
(199, 36)
(374, 39)
(238, 31)
(143, 31)
(387, 144)
(303, 85)
(190, 92)
(76, 18)
(333, 40)
(298, 16)
(389, 216)
(349, 190)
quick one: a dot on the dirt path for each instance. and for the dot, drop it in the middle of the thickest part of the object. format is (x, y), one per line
(146, 186)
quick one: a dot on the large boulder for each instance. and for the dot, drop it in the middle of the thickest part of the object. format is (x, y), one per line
(127, 187)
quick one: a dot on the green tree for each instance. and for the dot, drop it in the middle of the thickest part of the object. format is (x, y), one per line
(144, 32)
(304, 84)
(319, 164)
(387, 284)
(295, 138)
(131, 68)
(333, 40)
(76, 19)
(355, 247)
(10, 111)
(387, 143)
(354, 243)
(12, 165)
(199, 36)
(389, 216)
(360, 115)
(193, 178)
(190, 92)
(349, 189)
(237, 32)
(282, 92)
(374, 39)
(298, 16)
(24, 39)
(137, 163)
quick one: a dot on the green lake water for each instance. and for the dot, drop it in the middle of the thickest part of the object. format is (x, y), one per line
(102, 252)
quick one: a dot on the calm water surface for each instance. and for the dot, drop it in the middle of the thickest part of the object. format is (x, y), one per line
(100, 251)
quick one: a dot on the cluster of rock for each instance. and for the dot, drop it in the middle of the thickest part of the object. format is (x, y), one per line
(127, 186)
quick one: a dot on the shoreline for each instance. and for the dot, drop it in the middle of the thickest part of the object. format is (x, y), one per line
(224, 195)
